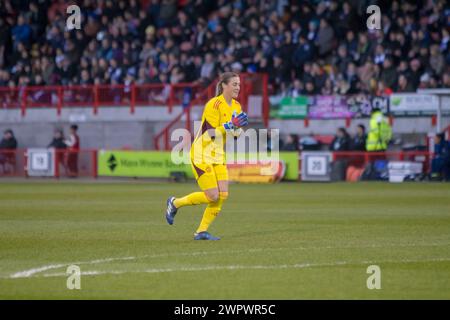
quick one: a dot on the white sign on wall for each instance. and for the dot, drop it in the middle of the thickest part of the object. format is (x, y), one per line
(40, 162)
(316, 166)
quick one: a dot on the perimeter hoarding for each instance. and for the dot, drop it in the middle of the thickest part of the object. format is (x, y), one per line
(145, 164)
(411, 104)
(158, 164)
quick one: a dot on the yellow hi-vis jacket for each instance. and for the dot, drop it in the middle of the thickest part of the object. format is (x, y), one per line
(379, 134)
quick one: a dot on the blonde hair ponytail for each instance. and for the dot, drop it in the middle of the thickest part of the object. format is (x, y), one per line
(224, 78)
(219, 88)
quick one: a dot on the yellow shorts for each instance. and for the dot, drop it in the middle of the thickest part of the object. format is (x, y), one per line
(207, 175)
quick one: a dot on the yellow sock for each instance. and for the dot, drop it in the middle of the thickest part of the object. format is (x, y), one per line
(211, 212)
(191, 199)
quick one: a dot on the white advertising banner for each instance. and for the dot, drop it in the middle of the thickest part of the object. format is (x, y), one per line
(413, 104)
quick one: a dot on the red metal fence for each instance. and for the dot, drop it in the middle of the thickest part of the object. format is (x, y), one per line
(13, 163)
(361, 159)
(120, 95)
(95, 96)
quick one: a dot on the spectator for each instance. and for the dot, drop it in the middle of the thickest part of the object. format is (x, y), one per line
(404, 85)
(351, 43)
(446, 80)
(351, 78)
(59, 145)
(363, 49)
(296, 89)
(309, 89)
(4, 40)
(382, 90)
(414, 74)
(342, 59)
(73, 144)
(341, 141)
(167, 12)
(440, 164)
(437, 61)
(58, 140)
(379, 54)
(388, 73)
(21, 32)
(303, 53)
(327, 89)
(7, 147)
(319, 75)
(325, 38)
(309, 142)
(312, 31)
(359, 140)
(207, 71)
(367, 75)
(291, 143)
(9, 140)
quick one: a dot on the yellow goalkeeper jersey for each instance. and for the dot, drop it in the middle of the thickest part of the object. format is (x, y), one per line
(208, 146)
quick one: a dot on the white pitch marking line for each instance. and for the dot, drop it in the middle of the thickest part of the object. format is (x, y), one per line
(33, 271)
(244, 267)
(30, 272)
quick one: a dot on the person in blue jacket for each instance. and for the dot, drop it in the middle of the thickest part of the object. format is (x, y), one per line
(440, 164)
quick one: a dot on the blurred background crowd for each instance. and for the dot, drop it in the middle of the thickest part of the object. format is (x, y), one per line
(307, 47)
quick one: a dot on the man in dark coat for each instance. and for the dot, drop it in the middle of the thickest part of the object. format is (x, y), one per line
(359, 140)
(7, 147)
(341, 141)
(60, 147)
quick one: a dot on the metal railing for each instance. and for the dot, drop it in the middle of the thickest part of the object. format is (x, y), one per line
(82, 163)
(361, 159)
(96, 96)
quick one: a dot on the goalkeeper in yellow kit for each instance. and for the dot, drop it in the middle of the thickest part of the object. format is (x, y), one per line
(222, 114)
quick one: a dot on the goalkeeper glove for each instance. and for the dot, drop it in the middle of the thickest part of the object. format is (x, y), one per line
(237, 121)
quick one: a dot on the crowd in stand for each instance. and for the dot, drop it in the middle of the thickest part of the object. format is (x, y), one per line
(307, 47)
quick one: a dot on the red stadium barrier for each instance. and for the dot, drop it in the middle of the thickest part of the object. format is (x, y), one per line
(359, 159)
(132, 95)
(119, 95)
(13, 163)
(96, 96)
(10, 98)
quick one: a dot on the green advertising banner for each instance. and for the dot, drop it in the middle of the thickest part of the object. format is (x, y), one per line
(158, 164)
(291, 160)
(293, 108)
(146, 164)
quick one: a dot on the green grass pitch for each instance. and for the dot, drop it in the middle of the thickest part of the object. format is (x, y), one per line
(281, 241)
